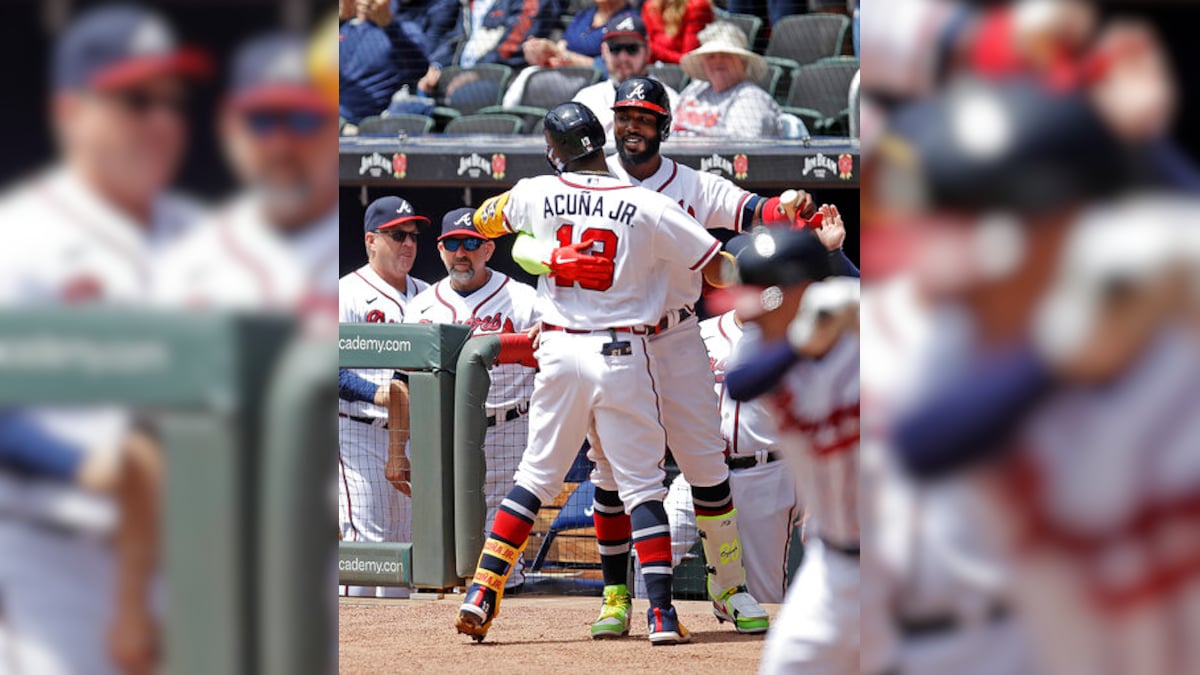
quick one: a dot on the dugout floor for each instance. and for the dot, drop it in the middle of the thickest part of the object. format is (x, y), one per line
(532, 635)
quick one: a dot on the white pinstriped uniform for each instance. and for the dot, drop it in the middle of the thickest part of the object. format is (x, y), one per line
(816, 405)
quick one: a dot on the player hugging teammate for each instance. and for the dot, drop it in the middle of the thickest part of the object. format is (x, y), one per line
(621, 249)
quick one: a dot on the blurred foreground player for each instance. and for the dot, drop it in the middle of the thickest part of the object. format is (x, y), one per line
(77, 580)
(598, 307)
(809, 367)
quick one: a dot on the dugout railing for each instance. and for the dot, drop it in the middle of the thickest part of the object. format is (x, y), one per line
(232, 399)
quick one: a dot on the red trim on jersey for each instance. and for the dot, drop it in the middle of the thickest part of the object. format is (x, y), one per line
(437, 293)
(590, 187)
(489, 298)
(61, 204)
(674, 171)
(712, 250)
(399, 306)
(247, 260)
(740, 223)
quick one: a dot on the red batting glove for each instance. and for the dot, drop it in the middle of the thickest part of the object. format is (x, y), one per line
(806, 214)
(570, 264)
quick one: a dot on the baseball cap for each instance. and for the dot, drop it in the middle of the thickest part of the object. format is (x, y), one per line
(271, 71)
(388, 212)
(625, 25)
(115, 46)
(459, 223)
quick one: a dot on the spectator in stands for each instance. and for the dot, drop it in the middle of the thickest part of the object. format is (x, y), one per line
(431, 24)
(674, 26)
(376, 58)
(771, 11)
(498, 28)
(580, 43)
(723, 99)
(626, 54)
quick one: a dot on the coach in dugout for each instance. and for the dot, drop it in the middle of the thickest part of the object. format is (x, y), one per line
(723, 100)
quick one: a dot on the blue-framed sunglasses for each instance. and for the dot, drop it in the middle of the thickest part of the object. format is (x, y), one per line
(469, 243)
(298, 122)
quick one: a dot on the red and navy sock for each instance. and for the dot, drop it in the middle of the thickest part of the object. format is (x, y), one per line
(714, 501)
(510, 529)
(652, 539)
(613, 531)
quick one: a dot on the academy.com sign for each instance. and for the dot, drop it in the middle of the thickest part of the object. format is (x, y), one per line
(390, 567)
(377, 345)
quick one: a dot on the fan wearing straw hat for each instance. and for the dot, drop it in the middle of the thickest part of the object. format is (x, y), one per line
(723, 100)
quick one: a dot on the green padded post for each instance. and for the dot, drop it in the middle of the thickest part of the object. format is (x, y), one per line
(297, 499)
(431, 450)
(470, 465)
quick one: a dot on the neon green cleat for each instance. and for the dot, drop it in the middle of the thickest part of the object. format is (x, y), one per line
(613, 621)
(740, 608)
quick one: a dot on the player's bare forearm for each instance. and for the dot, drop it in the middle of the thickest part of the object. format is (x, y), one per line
(397, 471)
(133, 635)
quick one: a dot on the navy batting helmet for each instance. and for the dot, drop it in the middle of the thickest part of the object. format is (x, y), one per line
(782, 256)
(574, 133)
(646, 94)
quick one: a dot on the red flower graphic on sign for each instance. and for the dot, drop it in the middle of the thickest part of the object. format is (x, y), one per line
(399, 165)
(845, 167)
(741, 166)
(499, 164)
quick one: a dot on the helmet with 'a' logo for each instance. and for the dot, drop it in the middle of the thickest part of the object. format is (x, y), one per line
(646, 94)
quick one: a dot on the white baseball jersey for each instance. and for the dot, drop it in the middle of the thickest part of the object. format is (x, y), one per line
(716, 203)
(364, 297)
(742, 111)
(237, 259)
(641, 231)
(502, 305)
(600, 97)
(816, 408)
(746, 426)
(902, 44)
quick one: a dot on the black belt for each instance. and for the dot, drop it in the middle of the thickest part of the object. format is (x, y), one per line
(512, 414)
(684, 313)
(849, 550)
(934, 625)
(364, 420)
(750, 461)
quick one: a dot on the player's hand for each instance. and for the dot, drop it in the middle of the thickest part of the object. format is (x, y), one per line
(133, 642)
(399, 473)
(831, 231)
(570, 263)
(535, 335)
(792, 208)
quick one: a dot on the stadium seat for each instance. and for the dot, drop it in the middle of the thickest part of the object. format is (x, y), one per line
(808, 38)
(670, 74)
(749, 24)
(462, 100)
(770, 81)
(539, 127)
(547, 88)
(819, 94)
(394, 125)
(497, 124)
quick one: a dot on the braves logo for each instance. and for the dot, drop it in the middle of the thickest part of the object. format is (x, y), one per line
(495, 323)
(638, 91)
(404, 209)
(375, 316)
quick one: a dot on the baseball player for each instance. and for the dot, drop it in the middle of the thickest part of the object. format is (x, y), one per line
(491, 303)
(689, 410)
(626, 54)
(76, 581)
(810, 359)
(274, 245)
(378, 292)
(598, 305)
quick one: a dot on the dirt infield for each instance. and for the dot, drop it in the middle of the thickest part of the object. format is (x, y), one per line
(532, 635)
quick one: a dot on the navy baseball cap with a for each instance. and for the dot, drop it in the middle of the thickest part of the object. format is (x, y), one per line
(271, 71)
(459, 223)
(118, 46)
(625, 25)
(388, 212)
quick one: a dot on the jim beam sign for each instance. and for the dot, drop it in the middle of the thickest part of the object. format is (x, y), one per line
(478, 166)
(820, 166)
(716, 164)
(375, 165)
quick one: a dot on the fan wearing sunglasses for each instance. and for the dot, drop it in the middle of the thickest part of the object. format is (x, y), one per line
(626, 54)
(490, 302)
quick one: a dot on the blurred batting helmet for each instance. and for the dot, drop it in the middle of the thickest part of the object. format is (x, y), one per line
(574, 133)
(782, 256)
(646, 94)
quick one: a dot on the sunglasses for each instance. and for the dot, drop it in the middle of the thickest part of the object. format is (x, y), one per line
(630, 48)
(298, 122)
(143, 102)
(469, 243)
(398, 236)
